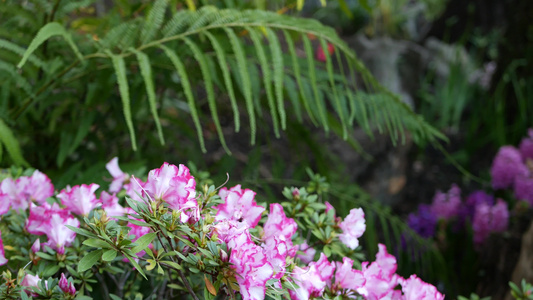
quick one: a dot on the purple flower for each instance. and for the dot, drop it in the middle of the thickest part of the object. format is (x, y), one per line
(523, 188)
(423, 222)
(446, 206)
(506, 166)
(488, 219)
(526, 146)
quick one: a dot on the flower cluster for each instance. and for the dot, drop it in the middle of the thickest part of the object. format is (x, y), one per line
(223, 233)
(513, 168)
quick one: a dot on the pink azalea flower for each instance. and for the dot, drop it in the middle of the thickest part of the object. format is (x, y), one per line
(36, 247)
(488, 219)
(309, 281)
(12, 195)
(30, 280)
(110, 205)
(415, 289)
(38, 222)
(175, 186)
(278, 224)
(506, 166)
(80, 199)
(526, 146)
(380, 277)
(239, 205)
(446, 206)
(252, 268)
(119, 177)
(276, 251)
(346, 277)
(65, 286)
(3, 259)
(324, 267)
(353, 228)
(59, 236)
(308, 253)
(38, 187)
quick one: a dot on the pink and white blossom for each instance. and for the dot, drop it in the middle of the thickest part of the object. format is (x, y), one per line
(239, 205)
(174, 186)
(110, 205)
(79, 199)
(3, 259)
(353, 228)
(415, 289)
(59, 236)
(324, 267)
(308, 253)
(119, 177)
(309, 281)
(346, 277)
(12, 196)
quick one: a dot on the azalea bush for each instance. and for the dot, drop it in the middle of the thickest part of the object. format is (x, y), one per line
(167, 236)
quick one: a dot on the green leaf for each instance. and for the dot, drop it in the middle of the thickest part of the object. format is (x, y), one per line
(154, 20)
(120, 71)
(201, 59)
(267, 78)
(82, 231)
(97, 243)
(89, 260)
(277, 59)
(172, 264)
(146, 73)
(329, 66)
(143, 242)
(46, 32)
(297, 75)
(11, 144)
(109, 255)
(180, 68)
(314, 84)
(135, 264)
(245, 78)
(227, 78)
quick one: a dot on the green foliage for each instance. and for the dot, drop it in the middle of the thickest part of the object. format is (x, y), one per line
(218, 51)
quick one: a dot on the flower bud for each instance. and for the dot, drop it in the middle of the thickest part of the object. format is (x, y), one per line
(65, 286)
(223, 255)
(36, 247)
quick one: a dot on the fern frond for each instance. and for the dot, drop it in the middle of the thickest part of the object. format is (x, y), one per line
(19, 79)
(122, 35)
(200, 58)
(223, 63)
(5, 44)
(245, 79)
(8, 140)
(180, 68)
(146, 73)
(277, 61)
(177, 23)
(71, 6)
(46, 32)
(329, 68)
(312, 78)
(154, 20)
(122, 80)
(267, 78)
